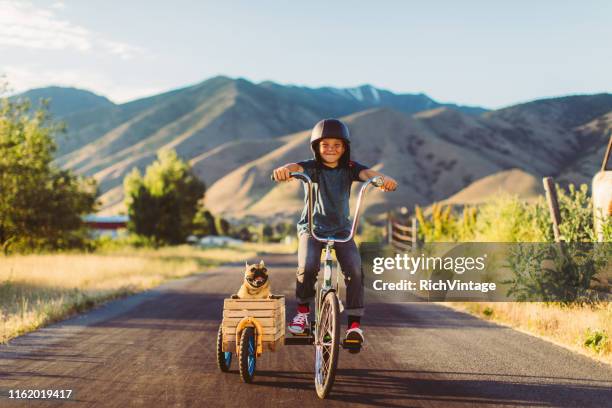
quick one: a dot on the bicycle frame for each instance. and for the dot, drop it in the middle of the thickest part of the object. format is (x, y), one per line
(325, 335)
(330, 241)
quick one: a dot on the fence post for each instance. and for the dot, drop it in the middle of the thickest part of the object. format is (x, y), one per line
(604, 165)
(415, 232)
(389, 228)
(553, 205)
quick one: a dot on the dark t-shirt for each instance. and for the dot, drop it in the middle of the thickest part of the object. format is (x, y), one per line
(332, 190)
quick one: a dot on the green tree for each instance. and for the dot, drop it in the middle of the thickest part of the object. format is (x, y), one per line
(204, 223)
(268, 233)
(222, 226)
(244, 234)
(40, 205)
(162, 204)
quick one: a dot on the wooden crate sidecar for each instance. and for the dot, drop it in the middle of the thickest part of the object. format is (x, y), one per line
(268, 314)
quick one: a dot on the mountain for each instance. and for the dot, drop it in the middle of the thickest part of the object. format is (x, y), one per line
(582, 168)
(233, 132)
(65, 101)
(426, 166)
(204, 122)
(437, 153)
(559, 131)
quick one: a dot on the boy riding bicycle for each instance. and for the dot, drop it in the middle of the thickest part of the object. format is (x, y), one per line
(333, 172)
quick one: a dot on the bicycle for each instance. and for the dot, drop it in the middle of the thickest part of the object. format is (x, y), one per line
(325, 330)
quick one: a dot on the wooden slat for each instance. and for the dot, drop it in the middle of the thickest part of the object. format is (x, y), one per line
(251, 304)
(404, 228)
(238, 314)
(264, 321)
(253, 313)
(415, 232)
(276, 323)
(402, 237)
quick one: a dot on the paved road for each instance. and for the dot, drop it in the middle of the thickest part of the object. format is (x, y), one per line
(157, 349)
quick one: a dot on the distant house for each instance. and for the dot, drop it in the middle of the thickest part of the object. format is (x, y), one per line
(112, 225)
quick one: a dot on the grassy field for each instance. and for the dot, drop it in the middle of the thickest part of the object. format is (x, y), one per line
(585, 329)
(36, 290)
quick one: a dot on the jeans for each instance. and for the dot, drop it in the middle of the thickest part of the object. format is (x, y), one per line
(309, 263)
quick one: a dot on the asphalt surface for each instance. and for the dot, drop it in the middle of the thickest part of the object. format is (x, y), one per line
(158, 349)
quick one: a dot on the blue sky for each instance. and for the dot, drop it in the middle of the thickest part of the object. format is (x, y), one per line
(470, 52)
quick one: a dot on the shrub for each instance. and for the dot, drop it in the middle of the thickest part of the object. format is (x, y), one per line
(556, 272)
(596, 340)
(510, 219)
(576, 209)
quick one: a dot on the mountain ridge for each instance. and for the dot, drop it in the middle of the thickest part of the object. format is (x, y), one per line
(233, 130)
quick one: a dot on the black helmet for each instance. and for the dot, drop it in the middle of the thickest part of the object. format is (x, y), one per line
(330, 128)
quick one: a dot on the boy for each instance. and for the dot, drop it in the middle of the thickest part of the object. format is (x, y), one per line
(333, 172)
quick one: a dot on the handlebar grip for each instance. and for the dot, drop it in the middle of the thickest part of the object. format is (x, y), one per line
(377, 181)
(273, 179)
(294, 174)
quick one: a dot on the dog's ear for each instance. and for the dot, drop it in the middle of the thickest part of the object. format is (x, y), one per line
(261, 263)
(246, 264)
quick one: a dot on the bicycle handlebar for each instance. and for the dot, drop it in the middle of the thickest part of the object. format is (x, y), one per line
(303, 177)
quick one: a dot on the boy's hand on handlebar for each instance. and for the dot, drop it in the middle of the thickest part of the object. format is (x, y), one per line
(282, 174)
(389, 184)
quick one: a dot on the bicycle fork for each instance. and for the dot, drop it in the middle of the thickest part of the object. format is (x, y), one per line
(328, 265)
(325, 287)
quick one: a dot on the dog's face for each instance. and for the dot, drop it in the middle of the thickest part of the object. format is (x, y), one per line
(256, 275)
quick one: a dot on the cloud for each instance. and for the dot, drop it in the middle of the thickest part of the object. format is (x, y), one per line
(59, 5)
(24, 25)
(123, 50)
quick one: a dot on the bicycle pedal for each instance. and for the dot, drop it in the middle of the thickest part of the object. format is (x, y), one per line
(353, 346)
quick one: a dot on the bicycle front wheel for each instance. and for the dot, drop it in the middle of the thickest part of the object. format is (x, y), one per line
(327, 344)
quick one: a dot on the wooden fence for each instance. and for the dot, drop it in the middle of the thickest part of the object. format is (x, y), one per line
(402, 235)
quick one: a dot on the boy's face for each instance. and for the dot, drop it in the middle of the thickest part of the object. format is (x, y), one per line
(331, 150)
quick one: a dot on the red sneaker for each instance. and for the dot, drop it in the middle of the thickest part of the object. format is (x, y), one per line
(299, 324)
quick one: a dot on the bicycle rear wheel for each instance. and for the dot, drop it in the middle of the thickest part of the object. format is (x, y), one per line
(224, 358)
(327, 344)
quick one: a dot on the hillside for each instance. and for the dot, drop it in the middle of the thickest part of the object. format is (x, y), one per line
(426, 167)
(233, 132)
(202, 122)
(513, 182)
(437, 153)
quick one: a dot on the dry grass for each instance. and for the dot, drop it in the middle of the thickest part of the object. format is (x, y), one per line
(567, 326)
(36, 290)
